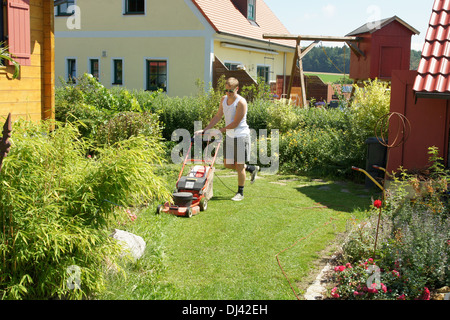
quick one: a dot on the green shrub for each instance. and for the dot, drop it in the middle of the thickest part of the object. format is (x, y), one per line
(124, 125)
(56, 206)
(323, 143)
(86, 117)
(370, 103)
(283, 116)
(258, 116)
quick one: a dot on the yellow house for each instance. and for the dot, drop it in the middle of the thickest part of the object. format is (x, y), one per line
(168, 45)
(26, 26)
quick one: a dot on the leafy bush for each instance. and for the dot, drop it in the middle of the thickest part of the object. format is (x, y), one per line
(323, 143)
(56, 206)
(370, 103)
(124, 125)
(86, 117)
(284, 117)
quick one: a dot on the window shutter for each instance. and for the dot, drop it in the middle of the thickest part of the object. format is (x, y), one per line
(19, 42)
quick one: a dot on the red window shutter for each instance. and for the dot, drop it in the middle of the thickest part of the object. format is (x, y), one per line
(19, 42)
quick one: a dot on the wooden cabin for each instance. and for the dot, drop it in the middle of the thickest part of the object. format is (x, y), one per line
(386, 45)
(27, 30)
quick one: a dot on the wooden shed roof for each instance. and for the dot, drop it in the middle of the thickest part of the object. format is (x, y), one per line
(376, 25)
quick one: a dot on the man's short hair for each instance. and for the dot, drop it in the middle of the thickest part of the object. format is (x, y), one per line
(232, 82)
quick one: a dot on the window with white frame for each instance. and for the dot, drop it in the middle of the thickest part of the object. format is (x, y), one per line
(134, 6)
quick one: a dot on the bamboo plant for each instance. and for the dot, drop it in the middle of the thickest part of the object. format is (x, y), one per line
(6, 55)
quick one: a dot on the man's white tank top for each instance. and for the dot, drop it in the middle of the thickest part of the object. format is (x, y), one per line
(229, 111)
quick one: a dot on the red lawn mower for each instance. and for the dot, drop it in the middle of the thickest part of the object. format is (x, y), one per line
(194, 190)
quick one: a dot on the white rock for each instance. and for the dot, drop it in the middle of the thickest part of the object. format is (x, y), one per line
(131, 243)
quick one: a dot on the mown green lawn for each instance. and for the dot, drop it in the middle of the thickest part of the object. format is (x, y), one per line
(229, 251)
(327, 77)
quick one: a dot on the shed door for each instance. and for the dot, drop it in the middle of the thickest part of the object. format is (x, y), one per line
(390, 59)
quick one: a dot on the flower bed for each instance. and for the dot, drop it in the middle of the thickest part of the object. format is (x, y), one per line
(411, 259)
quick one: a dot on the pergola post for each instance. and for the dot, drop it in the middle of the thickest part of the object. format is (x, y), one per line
(299, 54)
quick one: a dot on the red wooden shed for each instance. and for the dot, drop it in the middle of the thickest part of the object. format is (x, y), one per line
(423, 96)
(386, 45)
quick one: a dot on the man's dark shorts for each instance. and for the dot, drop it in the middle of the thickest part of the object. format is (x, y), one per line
(236, 150)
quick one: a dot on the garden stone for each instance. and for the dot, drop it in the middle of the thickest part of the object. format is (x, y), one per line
(131, 243)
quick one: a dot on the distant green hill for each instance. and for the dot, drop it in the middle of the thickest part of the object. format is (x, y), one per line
(337, 60)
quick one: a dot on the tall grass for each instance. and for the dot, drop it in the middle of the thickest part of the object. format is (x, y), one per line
(57, 207)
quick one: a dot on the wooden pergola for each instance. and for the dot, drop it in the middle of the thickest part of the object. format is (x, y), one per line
(300, 54)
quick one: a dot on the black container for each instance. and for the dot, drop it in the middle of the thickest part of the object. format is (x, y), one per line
(376, 155)
(182, 199)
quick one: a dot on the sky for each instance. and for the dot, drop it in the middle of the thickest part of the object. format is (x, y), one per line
(340, 17)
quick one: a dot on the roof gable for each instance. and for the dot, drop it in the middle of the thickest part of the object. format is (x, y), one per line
(377, 25)
(226, 18)
(434, 68)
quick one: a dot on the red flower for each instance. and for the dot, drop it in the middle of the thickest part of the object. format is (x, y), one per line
(333, 293)
(339, 268)
(377, 203)
(396, 273)
(426, 294)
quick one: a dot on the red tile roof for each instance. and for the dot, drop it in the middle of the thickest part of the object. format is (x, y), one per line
(225, 18)
(434, 68)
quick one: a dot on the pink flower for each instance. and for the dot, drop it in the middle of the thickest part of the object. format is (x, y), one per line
(355, 293)
(377, 203)
(89, 156)
(333, 293)
(426, 294)
(402, 297)
(348, 265)
(396, 273)
(339, 268)
(373, 288)
(383, 287)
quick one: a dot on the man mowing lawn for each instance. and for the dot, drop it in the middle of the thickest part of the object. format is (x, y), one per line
(236, 144)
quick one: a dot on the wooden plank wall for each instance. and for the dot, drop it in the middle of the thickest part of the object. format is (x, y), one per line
(242, 76)
(31, 96)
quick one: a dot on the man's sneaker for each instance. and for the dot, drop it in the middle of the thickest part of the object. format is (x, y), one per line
(238, 197)
(254, 174)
